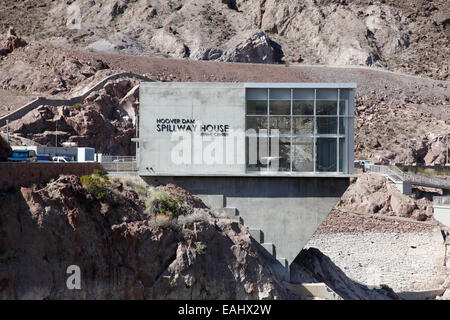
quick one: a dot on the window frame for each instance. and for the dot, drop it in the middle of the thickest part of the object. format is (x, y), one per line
(345, 117)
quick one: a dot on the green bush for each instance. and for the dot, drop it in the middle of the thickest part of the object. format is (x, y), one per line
(95, 185)
(162, 203)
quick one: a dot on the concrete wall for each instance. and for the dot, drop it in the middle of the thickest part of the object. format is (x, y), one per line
(287, 209)
(442, 214)
(204, 103)
(14, 174)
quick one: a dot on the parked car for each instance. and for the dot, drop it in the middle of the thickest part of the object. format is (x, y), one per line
(61, 159)
(22, 156)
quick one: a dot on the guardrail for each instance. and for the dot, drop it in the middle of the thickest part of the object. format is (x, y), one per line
(427, 180)
(397, 175)
(394, 173)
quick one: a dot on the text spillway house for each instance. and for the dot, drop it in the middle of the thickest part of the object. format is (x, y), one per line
(276, 156)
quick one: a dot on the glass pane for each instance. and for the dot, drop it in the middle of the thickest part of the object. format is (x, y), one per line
(303, 125)
(257, 152)
(256, 123)
(280, 94)
(303, 107)
(280, 107)
(327, 125)
(342, 154)
(342, 125)
(303, 94)
(283, 124)
(256, 94)
(326, 154)
(343, 105)
(280, 151)
(258, 107)
(327, 94)
(302, 154)
(326, 107)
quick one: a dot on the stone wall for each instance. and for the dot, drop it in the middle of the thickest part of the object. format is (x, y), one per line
(15, 174)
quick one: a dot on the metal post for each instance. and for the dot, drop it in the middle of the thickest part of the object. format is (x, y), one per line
(7, 131)
(446, 158)
(56, 144)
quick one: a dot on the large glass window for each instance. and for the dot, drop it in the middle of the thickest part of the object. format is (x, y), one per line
(309, 126)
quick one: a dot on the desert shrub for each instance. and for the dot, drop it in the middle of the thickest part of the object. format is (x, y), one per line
(196, 216)
(161, 203)
(161, 221)
(99, 185)
(95, 185)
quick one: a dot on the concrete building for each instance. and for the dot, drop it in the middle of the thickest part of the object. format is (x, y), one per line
(276, 156)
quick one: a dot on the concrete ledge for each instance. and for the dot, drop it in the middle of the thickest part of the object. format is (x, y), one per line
(314, 290)
(421, 295)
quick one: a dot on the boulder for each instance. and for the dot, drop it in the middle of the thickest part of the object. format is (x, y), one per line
(373, 193)
(250, 46)
(11, 43)
(167, 43)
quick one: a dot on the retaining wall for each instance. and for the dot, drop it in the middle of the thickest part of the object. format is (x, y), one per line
(14, 174)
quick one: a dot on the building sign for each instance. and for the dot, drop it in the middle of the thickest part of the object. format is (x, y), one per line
(190, 125)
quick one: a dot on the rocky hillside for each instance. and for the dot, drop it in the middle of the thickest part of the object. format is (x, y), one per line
(404, 35)
(173, 248)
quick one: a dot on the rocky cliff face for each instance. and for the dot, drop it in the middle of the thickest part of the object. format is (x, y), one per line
(122, 252)
(409, 36)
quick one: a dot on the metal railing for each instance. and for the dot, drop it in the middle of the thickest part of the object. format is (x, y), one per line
(397, 175)
(119, 163)
(394, 173)
(443, 201)
(421, 179)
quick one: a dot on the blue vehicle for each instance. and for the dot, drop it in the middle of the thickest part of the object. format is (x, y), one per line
(43, 158)
(22, 156)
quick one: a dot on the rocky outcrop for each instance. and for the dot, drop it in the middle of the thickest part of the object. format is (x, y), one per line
(374, 194)
(11, 43)
(167, 43)
(105, 120)
(122, 253)
(252, 46)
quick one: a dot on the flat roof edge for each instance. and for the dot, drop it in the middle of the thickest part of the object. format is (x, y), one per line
(300, 85)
